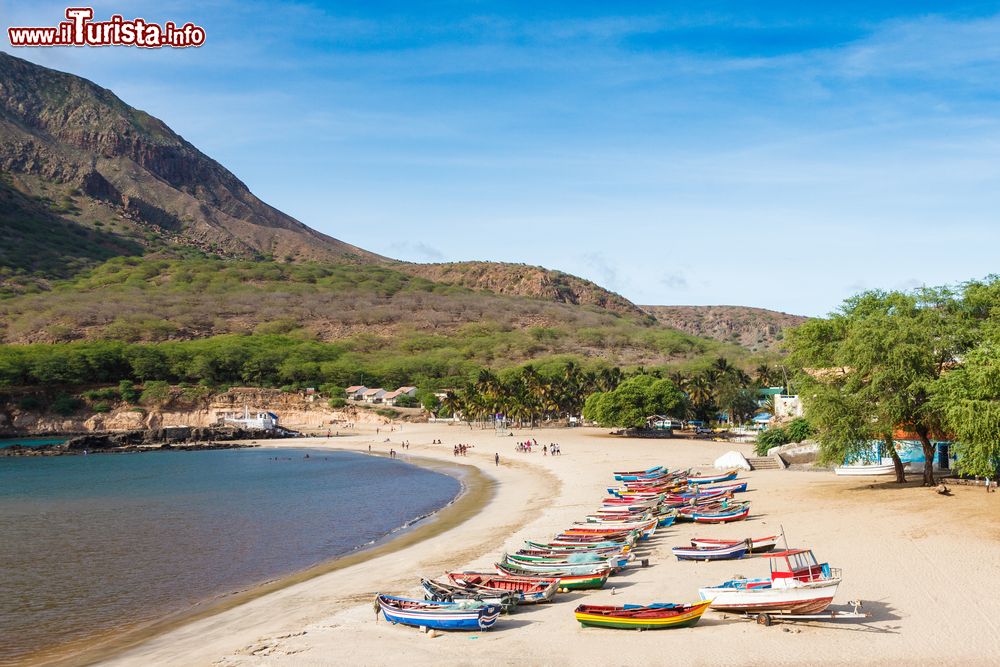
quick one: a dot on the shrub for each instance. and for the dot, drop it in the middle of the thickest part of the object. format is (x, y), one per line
(407, 401)
(772, 437)
(29, 403)
(337, 402)
(387, 412)
(126, 389)
(101, 406)
(798, 430)
(156, 392)
(65, 405)
(105, 394)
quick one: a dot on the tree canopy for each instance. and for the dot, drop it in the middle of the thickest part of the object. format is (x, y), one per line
(635, 399)
(881, 365)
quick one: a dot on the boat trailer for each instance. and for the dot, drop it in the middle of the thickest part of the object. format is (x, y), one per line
(768, 619)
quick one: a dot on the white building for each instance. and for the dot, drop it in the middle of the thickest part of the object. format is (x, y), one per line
(373, 395)
(260, 421)
(787, 407)
(355, 392)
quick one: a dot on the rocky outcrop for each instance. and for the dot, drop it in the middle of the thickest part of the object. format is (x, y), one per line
(522, 280)
(68, 130)
(296, 411)
(149, 440)
(753, 328)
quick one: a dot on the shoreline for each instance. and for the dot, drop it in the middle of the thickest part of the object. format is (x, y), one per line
(850, 523)
(476, 489)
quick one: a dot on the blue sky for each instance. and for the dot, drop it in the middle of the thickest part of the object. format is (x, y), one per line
(782, 156)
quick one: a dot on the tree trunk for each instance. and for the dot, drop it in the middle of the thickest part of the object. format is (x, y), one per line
(929, 450)
(897, 463)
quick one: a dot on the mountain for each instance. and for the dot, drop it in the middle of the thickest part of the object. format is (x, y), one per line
(86, 177)
(77, 154)
(118, 229)
(755, 329)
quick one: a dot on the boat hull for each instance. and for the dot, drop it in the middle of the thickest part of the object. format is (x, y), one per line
(572, 582)
(613, 617)
(725, 552)
(807, 599)
(439, 616)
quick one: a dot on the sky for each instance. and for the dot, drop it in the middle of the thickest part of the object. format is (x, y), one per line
(784, 155)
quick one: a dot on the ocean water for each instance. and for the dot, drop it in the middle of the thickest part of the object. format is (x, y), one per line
(91, 544)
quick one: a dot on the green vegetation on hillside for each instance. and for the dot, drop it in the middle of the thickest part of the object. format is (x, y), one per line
(372, 313)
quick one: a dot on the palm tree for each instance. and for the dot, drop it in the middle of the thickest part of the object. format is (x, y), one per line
(765, 375)
(452, 402)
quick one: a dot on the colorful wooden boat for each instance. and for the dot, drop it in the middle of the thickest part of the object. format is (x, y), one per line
(533, 590)
(757, 544)
(723, 552)
(798, 585)
(617, 560)
(656, 616)
(712, 479)
(465, 615)
(442, 592)
(622, 474)
(715, 514)
(545, 567)
(573, 582)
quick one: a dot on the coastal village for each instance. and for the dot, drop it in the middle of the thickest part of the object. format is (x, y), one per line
(568, 335)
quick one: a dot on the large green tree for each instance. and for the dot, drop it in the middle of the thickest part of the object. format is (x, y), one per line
(635, 399)
(875, 368)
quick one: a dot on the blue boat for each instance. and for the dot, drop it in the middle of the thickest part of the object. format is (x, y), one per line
(463, 615)
(725, 552)
(632, 475)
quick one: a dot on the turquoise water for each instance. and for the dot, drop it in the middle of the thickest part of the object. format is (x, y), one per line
(96, 543)
(30, 442)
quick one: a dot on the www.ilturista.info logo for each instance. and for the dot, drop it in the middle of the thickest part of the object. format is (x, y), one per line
(81, 30)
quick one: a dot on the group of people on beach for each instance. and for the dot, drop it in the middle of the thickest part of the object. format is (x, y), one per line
(461, 450)
(525, 447)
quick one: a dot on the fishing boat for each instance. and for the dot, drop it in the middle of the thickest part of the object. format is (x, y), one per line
(573, 582)
(757, 544)
(657, 616)
(617, 560)
(715, 514)
(702, 490)
(533, 590)
(464, 615)
(571, 547)
(623, 474)
(867, 470)
(442, 592)
(566, 567)
(724, 552)
(798, 585)
(712, 479)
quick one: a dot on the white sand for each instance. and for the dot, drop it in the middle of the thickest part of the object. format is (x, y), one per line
(926, 566)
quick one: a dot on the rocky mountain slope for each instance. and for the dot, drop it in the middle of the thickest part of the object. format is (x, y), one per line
(756, 329)
(85, 177)
(67, 145)
(116, 227)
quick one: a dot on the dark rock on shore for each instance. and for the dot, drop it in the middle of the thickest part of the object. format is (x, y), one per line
(180, 438)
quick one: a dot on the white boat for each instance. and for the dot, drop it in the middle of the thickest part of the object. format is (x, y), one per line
(797, 585)
(867, 470)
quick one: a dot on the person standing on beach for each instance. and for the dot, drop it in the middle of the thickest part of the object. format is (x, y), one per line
(496, 459)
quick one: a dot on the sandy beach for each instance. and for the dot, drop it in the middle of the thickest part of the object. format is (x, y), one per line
(924, 565)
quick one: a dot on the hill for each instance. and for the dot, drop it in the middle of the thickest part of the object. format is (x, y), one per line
(755, 329)
(118, 230)
(81, 162)
(86, 177)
